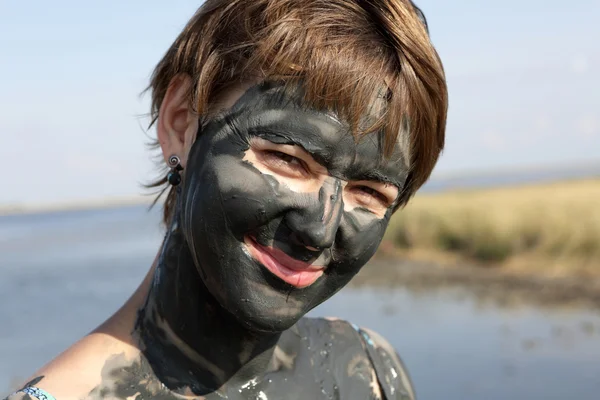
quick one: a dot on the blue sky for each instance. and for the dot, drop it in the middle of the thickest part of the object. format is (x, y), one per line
(524, 81)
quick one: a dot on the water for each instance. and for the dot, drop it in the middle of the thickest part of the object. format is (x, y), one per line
(63, 273)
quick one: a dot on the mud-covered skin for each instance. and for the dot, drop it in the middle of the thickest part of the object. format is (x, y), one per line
(313, 353)
(193, 345)
(226, 197)
(317, 359)
(218, 324)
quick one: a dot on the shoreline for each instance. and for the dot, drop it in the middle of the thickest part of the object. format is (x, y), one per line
(503, 288)
(438, 184)
(76, 205)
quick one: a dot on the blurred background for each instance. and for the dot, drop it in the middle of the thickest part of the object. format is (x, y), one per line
(487, 284)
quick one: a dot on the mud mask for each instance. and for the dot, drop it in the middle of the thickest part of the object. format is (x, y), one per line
(268, 209)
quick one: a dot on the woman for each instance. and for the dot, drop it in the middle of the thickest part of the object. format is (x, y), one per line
(292, 131)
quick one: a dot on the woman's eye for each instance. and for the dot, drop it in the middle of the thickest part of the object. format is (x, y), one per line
(283, 161)
(369, 196)
(285, 157)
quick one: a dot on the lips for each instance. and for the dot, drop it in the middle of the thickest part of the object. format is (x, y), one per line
(294, 272)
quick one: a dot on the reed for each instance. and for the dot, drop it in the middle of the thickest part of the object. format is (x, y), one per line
(553, 228)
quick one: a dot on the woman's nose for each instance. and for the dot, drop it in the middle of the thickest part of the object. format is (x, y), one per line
(315, 222)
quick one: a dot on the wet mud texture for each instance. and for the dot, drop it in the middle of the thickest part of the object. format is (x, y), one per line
(319, 359)
(216, 324)
(241, 188)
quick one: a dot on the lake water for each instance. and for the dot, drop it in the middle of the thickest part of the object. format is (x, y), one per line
(63, 273)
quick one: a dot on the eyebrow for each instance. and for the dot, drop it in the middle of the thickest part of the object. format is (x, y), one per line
(268, 135)
(373, 176)
(261, 131)
(267, 132)
(272, 129)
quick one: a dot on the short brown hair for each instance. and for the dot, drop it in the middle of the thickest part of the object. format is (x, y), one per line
(344, 51)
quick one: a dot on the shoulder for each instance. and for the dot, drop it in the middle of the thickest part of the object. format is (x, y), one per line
(75, 373)
(392, 378)
(392, 374)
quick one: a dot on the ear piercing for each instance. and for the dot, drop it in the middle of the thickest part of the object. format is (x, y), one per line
(174, 178)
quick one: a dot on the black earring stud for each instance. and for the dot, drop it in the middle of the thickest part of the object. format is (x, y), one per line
(174, 178)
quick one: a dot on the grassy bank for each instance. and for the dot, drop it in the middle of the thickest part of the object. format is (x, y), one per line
(550, 228)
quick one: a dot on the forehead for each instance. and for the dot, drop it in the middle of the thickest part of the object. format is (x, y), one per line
(271, 112)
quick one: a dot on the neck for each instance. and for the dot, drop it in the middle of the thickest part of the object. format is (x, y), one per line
(191, 342)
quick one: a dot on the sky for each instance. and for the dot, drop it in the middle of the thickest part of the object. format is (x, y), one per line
(523, 78)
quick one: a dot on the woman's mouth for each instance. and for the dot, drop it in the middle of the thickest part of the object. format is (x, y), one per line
(295, 272)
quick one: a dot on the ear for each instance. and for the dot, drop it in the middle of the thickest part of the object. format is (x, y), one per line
(177, 124)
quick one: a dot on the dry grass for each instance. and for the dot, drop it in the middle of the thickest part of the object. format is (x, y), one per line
(551, 228)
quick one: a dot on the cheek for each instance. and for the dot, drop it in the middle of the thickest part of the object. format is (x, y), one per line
(234, 178)
(243, 196)
(359, 235)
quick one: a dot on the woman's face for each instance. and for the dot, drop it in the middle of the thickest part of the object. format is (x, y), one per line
(281, 207)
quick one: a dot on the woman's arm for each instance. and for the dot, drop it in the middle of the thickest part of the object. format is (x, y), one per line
(30, 392)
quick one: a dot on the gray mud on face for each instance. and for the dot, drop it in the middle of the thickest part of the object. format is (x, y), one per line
(63, 273)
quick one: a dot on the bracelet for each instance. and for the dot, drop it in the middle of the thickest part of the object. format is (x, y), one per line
(38, 393)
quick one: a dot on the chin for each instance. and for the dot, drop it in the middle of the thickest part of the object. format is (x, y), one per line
(269, 305)
(272, 315)
(251, 295)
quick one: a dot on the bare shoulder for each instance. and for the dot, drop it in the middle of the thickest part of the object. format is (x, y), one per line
(74, 374)
(392, 374)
